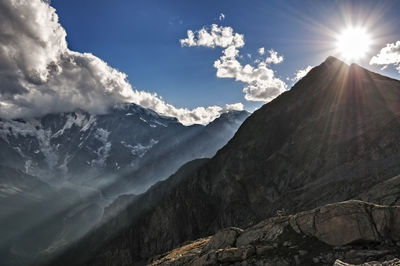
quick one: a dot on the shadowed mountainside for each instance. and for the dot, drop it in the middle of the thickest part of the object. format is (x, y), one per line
(331, 137)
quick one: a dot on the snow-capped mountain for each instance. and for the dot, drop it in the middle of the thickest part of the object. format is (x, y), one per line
(69, 166)
(69, 142)
(79, 146)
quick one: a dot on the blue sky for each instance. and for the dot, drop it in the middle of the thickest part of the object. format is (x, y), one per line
(141, 38)
(66, 58)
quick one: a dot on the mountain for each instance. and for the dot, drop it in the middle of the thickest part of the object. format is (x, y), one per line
(95, 149)
(330, 138)
(170, 153)
(59, 172)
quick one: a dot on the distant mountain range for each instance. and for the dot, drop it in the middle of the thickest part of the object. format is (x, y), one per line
(334, 136)
(79, 146)
(59, 171)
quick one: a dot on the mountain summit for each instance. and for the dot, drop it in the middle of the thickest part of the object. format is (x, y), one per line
(331, 137)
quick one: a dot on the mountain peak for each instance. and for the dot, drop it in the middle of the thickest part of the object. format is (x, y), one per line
(331, 59)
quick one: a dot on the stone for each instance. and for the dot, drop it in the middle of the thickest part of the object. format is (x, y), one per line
(297, 259)
(235, 254)
(287, 244)
(224, 238)
(394, 262)
(303, 252)
(261, 250)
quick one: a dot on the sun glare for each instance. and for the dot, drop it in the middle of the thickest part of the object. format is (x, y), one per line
(353, 43)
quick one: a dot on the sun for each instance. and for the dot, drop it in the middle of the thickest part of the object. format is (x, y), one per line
(353, 43)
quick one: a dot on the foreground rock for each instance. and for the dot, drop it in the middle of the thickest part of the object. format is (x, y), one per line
(348, 232)
(394, 262)
(386, 193)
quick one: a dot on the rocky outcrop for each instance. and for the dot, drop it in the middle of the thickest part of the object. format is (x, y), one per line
(387, 192)
(394, 262)
(340, 233)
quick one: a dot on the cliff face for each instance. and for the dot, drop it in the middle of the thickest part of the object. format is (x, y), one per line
(331, 137)
(352, 231)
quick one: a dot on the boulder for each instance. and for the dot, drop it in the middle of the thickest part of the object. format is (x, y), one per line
(224, 239)
(346, 232)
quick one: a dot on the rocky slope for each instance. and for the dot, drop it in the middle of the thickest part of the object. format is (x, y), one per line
(331, 137)
(386, 192)
(350, 231)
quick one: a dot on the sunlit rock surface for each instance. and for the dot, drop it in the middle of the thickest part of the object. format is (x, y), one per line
(335, 234)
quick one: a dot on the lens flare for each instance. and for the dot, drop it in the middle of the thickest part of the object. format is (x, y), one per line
(353, 43)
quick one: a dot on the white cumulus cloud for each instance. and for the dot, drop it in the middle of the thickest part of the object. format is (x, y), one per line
(274, 57)
(217, 36)
(388, 55)
(299, 74)
(260, 81)
(40, 75)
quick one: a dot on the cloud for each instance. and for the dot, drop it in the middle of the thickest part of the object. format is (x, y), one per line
(198, 115)
(301, 73)
(40, 75)
(221, 16)
(261, 51)
(260, 81)
(274, 58)
(217, 36)
(388, 55)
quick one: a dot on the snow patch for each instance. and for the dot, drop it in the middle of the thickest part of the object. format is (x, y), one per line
(63, 167)
(159, 123)
(27, 166)
(79, 119)
(30, 128)
(140, 149)
(8, 190)
(104, 151)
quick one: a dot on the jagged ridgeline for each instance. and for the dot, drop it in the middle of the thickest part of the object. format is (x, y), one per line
(94, 149)
(332, 137)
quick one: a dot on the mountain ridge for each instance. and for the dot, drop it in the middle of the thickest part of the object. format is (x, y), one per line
(318, 143)
(111, 142)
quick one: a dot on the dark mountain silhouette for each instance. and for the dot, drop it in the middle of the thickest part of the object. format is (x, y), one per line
(331, 137)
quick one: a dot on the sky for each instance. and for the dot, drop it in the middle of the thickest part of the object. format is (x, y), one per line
(241, 54)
